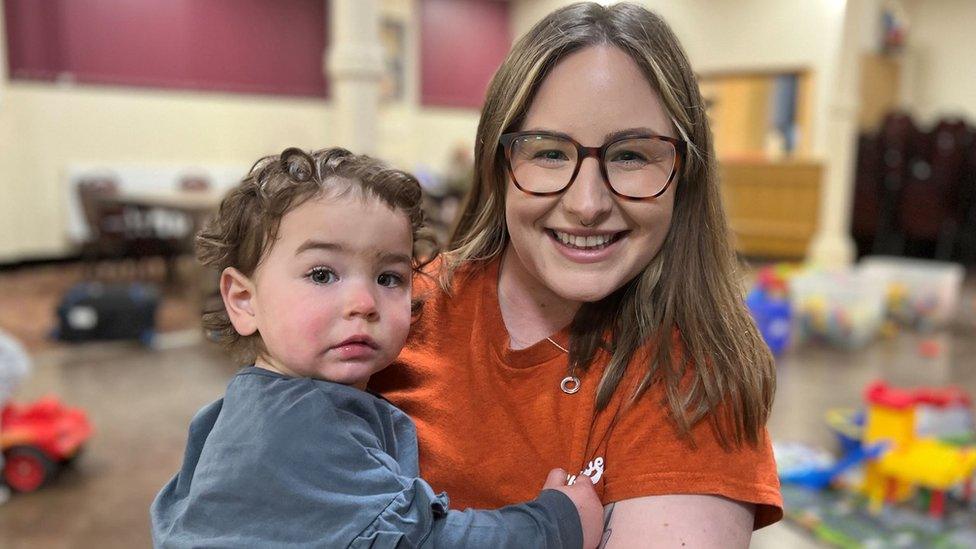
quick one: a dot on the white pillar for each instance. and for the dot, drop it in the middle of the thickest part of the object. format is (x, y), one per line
(832, 244)
(355, 66)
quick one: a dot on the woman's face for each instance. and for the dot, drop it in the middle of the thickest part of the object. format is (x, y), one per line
(589, 95)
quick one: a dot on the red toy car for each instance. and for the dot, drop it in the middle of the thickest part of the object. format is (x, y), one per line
(37, 439)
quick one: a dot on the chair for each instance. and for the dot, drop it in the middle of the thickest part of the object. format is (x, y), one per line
(928, 209)
(899, 141)
(967, 205)
(868, 177)
(106, 222)
(194, 183)
(119, 232)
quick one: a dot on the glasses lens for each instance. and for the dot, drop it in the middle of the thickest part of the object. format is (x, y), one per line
(542, 163)
(640, 167)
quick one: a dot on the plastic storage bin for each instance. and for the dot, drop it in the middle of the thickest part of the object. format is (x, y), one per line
(841, 308)
(920, 293)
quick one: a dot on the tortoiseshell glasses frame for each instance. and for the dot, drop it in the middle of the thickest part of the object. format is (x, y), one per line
(674, 149)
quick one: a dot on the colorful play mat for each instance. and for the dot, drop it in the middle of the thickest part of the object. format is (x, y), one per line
(841, 518)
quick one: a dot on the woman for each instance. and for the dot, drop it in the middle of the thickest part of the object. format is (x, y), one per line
(588, 315)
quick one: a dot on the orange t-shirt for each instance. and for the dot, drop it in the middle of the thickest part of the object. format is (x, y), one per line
(492, 422)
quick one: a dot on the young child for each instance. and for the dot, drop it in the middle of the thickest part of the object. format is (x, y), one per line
(316, 253)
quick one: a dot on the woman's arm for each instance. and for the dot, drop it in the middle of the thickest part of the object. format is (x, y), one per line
(678, 521)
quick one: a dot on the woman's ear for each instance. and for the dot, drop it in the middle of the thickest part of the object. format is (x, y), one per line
(238, 293)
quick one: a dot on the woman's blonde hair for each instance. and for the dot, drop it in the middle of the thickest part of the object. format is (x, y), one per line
(246, 226)
(691, 287)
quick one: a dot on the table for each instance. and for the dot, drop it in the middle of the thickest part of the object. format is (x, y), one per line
(198, 205)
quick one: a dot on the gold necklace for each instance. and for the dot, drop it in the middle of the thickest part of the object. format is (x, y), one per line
(558, 346)
(570, 384)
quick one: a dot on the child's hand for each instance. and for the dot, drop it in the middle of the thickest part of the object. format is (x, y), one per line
(587, 504)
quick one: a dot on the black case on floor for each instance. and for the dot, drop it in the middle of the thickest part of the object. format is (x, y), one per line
(92, 311)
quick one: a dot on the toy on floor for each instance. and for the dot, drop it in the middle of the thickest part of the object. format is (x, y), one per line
(920, 293)
(769, 303)
(842, 308)
(929, 348)
(822, 475)
(848, 307)
(917, 457)
(93, 311)
(14, 366)
(38, 439)
(913, 461)
(35, 439)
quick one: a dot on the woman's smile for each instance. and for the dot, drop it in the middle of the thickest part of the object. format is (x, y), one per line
(587, 246)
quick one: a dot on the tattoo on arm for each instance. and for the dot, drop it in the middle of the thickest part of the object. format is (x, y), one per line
(607, 515)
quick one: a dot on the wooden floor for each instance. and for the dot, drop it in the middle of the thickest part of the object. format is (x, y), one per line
(141, 401)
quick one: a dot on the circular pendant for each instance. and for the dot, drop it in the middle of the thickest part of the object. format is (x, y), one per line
(570, 384)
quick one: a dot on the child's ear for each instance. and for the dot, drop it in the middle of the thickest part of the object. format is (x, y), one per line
(238, 293)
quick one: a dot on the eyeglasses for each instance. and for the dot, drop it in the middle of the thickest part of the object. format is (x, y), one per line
(635, 168)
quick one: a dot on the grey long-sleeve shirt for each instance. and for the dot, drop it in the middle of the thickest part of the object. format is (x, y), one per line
(305, 463)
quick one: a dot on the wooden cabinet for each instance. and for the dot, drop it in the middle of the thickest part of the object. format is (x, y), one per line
(772, 206)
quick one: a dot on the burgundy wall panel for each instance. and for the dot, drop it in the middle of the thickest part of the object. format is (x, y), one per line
(462, 44)
(252, 46)
(32, 42)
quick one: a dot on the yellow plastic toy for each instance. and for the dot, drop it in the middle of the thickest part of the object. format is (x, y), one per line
(912, 462)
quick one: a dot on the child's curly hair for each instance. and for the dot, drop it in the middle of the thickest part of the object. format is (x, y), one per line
(247, 224)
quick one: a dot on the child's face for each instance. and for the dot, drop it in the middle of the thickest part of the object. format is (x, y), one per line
(332, 298)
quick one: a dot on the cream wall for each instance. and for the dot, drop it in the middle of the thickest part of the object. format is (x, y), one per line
(46, 127)
(940, 76)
